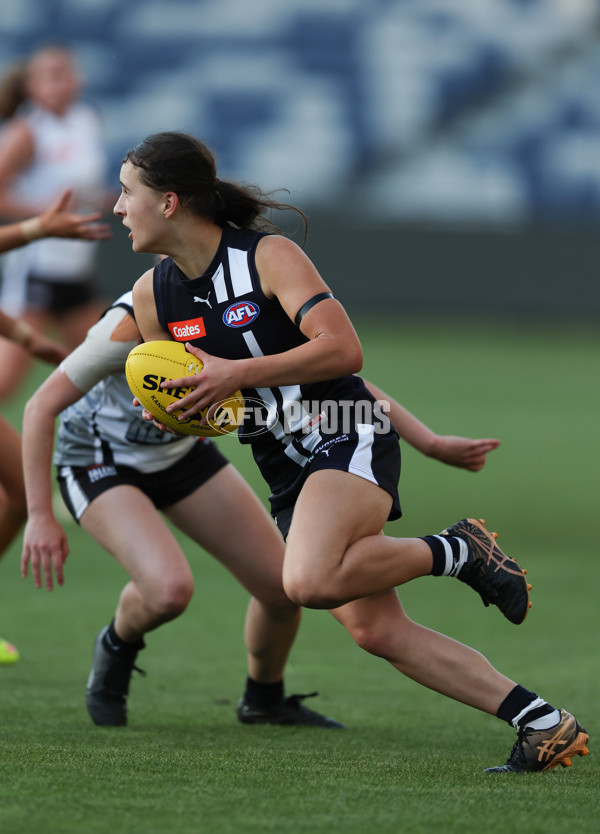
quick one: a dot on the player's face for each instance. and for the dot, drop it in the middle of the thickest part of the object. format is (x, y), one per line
(141, 208)
(53, 81)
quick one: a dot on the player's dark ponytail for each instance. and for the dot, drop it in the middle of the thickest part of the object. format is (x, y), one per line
(173, 161)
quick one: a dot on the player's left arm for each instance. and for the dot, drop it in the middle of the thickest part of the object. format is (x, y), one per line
(464, 452)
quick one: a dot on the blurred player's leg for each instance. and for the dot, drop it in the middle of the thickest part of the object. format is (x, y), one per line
(227, 519)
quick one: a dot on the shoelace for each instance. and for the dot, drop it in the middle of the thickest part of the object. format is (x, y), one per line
(295, 700)
(517, 754)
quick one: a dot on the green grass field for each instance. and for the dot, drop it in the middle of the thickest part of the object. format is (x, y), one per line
(411, 760)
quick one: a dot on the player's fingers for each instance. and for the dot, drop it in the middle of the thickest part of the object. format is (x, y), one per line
(25, 562)
(192, 403)
(47, 569)
(57, 561)
(194, 408)
(475, 466)
(181, 382)
(89, 218)
(36, 567)
(487, 445)
(99, 231)
(64, 200)
(195, 351)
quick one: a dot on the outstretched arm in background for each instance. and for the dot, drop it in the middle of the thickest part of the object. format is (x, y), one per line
(54, 222)
(463, 452)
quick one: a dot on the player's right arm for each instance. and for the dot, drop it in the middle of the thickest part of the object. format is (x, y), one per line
(102, 353)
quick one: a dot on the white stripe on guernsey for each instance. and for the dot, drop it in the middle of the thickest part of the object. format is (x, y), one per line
(219, 285)
(448, 554)
(240, 272)
(78, 497)
(539, 702)
(360, 463)
(290, 394)
(98, 451)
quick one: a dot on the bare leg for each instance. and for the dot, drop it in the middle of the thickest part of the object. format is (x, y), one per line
(226, 518)
(161, 581)
(379, 625)
(335, 552)
(13, 507)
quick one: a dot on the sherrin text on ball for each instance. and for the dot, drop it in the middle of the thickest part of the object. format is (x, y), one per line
(152, 363)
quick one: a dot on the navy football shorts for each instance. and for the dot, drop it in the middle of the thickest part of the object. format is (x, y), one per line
(79, 485)
(58, 297)
(366, 453)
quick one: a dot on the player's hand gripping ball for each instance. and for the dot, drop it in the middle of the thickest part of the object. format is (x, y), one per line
(151, 363)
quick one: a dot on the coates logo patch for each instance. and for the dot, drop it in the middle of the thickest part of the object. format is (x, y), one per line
(240, 313)
(183, 331)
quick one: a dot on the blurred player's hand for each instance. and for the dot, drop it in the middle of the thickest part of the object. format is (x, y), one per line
(58, 222)
(462, 451)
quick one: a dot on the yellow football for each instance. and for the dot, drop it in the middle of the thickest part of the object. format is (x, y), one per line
(152, 363)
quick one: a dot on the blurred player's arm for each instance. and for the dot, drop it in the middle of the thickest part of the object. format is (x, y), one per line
(464, 452)
(56, 221)
(22, 333)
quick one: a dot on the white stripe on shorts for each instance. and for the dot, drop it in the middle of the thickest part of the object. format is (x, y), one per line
(77, 496)
(360, 463)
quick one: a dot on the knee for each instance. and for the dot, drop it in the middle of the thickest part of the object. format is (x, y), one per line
(372, 640)
(309, 590)
(170, 598)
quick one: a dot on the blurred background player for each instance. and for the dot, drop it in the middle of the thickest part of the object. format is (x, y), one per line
(51, 141)
(60, 223)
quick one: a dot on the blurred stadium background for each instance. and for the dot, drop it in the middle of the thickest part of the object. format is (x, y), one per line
(447, 151)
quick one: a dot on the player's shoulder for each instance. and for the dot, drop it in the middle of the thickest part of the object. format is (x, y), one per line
(277, 248)
(143, 283)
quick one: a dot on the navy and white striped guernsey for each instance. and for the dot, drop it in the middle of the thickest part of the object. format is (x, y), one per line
(225, 313)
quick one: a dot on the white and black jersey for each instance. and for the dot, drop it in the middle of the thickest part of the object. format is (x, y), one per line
(104, 427)
(103, 442)
(225, 312)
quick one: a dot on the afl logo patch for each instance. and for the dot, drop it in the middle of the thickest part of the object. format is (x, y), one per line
(241, 313)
